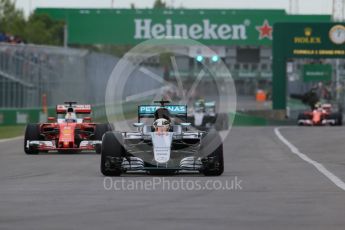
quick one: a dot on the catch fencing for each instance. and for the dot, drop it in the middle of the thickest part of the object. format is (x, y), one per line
(33, 77)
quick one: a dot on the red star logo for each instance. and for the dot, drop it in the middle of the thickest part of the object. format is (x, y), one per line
(265, 31)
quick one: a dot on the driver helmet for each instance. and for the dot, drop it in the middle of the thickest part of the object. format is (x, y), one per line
(161, 125)
(70, 115)
(318, 105)
(200, 106)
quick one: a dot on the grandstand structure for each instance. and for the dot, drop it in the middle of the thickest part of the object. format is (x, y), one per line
(242, 39)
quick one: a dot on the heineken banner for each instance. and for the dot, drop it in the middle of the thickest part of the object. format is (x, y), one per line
(317, 72)
(211, 27)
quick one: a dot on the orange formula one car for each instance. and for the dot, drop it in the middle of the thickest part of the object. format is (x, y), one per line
(320, 115)
(71, 131)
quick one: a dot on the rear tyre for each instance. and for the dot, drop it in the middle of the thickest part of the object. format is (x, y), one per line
(100, 130)
(98, 148)
(32, 132)
(224, 119)
(212, 150)
(338, 117)
(112, 154)
(219, 123)
(190, 120)
(222, 122)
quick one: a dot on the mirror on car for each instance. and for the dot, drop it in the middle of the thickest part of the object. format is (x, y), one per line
(51, 119)
(138, 125)
(87, 119)
(185, 124)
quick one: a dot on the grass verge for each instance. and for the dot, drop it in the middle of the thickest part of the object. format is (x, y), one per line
(11, 131)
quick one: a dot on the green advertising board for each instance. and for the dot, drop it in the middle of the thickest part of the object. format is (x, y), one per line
(211, 27)
(317, 72)
(303, 40)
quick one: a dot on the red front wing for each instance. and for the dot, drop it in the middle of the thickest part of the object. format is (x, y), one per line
(67, 136)
(317, 116)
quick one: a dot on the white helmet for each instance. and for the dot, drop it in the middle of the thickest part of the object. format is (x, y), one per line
(161, 122)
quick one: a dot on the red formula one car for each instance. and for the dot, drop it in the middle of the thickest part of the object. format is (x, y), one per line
(71, 131)
(320, 115)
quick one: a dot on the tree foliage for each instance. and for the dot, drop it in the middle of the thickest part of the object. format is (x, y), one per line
(37, 29)
(159, 4)
(42, 29)
(11, 20)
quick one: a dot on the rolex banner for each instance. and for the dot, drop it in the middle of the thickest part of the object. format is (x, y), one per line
(211, 27)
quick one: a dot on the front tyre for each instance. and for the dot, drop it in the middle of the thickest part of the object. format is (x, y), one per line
(32, 133)
(213, 162)
(301, 117)
(112, 153)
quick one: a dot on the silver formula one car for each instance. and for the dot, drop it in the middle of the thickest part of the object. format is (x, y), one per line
(204, 116)
(168, 145)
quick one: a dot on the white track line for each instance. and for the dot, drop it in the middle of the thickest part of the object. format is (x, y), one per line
(336, 180)
(11, 139)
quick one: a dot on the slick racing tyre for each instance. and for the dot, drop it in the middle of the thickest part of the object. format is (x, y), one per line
(32, 132)
(222, 122)
(100, 130)
(190, 119)
(213, 163)
(338, 117)
(112, 154)
(302, 116)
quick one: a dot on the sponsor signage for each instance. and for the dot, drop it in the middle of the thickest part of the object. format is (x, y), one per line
(304, 40)
(317, 72)
(315, 40)
(173, 109)
(211, 27)
(22, 118)
(204, 30)
(307, 38)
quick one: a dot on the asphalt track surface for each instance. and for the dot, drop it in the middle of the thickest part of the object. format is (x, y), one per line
(276, 189)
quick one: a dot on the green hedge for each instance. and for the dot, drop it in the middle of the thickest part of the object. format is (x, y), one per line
(35, 115)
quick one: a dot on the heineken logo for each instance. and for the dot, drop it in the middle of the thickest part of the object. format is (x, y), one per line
(205, 30)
